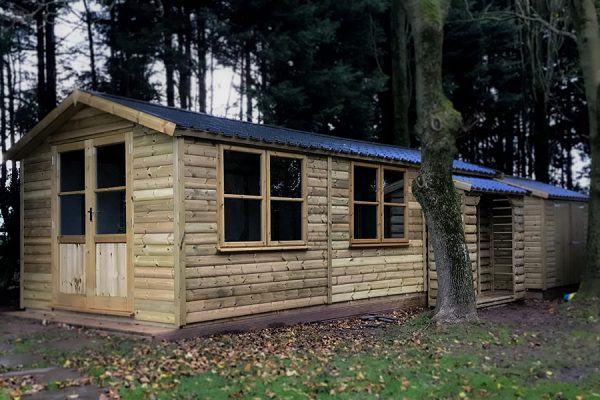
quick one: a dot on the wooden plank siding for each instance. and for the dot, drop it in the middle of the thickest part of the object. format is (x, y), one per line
(369, 272)
(518, 246)
(36, 171)
(536, 252)
(223, 285)
(154, 228)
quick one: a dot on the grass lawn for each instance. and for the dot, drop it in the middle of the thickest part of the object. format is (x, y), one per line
(527, 351)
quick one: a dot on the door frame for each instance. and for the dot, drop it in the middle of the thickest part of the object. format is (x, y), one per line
(88, 302)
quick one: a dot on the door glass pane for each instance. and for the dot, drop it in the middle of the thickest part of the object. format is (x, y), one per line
(393, 222)
(72, 167)
(242, 220)
(393, 186)
(72, 214)
(110, 212)
(286, 177)
(365, 221)
(365, 184)
(242, 172)
(286, 220)
(110, 161)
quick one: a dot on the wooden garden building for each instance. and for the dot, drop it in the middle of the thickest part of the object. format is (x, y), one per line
(555, 234)
(165, 215)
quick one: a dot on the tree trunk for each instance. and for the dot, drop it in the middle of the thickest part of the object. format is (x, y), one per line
(585, 21)
(41, 62)
(437, 125)
(400, 65)
(248, 84)
(50, 102)
(541, 137)
(202, 49)
(88, 23)
(167, 54)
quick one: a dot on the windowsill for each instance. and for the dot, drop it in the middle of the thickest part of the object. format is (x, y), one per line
(380, 244)
(260, 249)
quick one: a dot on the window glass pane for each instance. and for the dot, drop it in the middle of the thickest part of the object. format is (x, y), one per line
(365, 184)
(242, 220)
(72, 214)
(72, 167)
(393, 222)
(286, 220)
(110, 170)
(110, 212)
(242, 172)
(393, 186)
(286, 177)
(365, 221)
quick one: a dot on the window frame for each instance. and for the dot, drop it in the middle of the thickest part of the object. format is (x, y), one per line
(265, 197)
(380, 202)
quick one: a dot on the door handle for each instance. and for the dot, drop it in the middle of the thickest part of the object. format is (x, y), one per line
(91, 213)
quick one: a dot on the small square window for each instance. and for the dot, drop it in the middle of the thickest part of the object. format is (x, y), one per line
(243, 220)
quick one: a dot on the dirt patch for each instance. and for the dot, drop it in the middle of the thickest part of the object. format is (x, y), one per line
(558, 345)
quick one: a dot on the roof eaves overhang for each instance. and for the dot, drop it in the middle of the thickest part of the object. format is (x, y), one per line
(68, 107)
(533, 192)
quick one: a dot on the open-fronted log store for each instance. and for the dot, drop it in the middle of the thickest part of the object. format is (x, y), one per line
(494, 231)
(170, 216)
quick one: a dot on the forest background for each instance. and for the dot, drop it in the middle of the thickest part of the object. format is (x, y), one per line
(343, 68)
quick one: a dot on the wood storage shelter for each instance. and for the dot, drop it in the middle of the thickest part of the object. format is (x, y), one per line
(493, 224)
(164, 215)
(555, 234)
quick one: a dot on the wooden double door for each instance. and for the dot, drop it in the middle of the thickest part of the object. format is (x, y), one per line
(92, 214)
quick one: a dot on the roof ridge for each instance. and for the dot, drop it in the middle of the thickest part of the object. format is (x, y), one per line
(96, 93)
(342, 140)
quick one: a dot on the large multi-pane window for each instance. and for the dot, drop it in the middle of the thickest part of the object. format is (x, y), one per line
(378, 204)
(262, 201)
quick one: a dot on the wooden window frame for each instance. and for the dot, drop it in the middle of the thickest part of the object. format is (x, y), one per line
(380, 240)
(265, 197)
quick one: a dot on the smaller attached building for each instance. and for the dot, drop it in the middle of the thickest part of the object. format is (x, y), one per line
(555, 234)
(493, 223)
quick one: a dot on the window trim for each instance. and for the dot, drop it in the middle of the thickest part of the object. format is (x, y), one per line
(380, 240)
(265, 197)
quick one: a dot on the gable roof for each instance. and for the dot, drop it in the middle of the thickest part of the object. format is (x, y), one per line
(470, 183)
(167, 119)
(543, 190)
(283, 136)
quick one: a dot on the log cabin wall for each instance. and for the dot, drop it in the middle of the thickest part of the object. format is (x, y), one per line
(536, 250)
(36, 268)
(518, 226)
(565, 230)
(369, 272)
(228, 284)
(154, 235)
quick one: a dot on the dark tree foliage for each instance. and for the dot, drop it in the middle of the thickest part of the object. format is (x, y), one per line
(317, 64)
(129, 31)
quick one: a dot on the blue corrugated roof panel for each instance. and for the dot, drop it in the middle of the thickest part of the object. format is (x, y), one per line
(489, 185)
(276, 135)
(553, 192)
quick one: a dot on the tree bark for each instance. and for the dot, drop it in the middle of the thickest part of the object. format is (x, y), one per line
(41, 62)
(88, 22)
(585, 21)
(400, 65)
(201, 62)
(437, 125)
(50, 102)
(541, 137)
